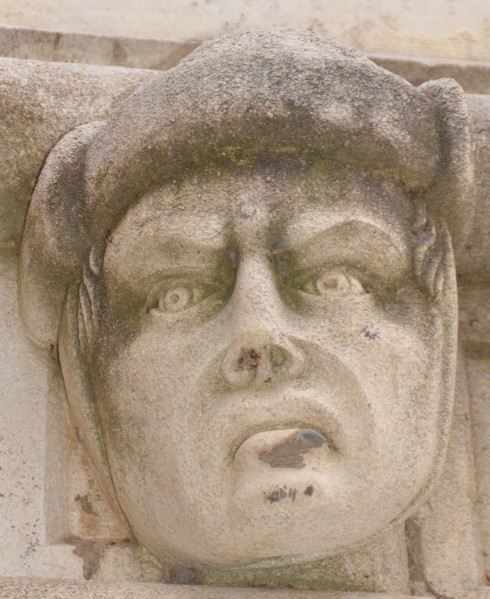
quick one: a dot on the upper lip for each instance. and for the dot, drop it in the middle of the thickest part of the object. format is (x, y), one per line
(278, 426)
(234, 417)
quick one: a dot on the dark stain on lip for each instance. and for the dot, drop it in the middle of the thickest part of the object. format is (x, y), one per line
(282, 493)
(277, 495)
(289, 453)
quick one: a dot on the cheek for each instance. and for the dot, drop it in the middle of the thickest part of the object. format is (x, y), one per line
(395, 355)
(405, 387)
(151, 384)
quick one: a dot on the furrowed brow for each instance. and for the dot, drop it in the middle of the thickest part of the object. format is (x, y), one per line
(356, 241)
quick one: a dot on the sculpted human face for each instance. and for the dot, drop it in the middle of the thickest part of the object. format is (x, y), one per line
(268, 367)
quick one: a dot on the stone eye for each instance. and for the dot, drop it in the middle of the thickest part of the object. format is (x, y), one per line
(333, 283)
(175, 299)
(172, 297)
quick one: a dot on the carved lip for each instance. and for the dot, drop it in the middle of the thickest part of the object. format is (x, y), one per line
(293, 441)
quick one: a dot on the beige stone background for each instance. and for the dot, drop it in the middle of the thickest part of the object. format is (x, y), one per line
(454, 29)
(416, 38)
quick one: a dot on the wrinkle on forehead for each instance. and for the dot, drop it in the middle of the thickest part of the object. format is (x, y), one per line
(164, 215)
(351, 195)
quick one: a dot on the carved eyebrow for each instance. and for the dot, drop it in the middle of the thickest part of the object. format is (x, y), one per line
(166, 245)
(176, 251)
(308, 226)
(357, 240)
(198, 231)
(185, 244)
(195, 232)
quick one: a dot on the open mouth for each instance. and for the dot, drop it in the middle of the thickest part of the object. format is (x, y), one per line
(286, 448)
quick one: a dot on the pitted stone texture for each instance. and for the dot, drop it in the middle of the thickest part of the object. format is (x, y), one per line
(317, 100)
(256, 244)
(456, 29)
(46, 589)
(52, 46)
(40, 103)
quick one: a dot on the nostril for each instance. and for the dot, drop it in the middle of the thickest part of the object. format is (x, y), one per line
(240, 366)
(277, 356)
(261, 363)
(249, 360)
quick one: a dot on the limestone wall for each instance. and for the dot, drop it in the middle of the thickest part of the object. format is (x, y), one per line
(453, 29)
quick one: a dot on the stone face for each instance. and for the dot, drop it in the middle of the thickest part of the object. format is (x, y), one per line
(264, 241)
(245, 267)
(276, 328)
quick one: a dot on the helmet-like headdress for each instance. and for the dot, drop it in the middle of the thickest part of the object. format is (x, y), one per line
(241, 98)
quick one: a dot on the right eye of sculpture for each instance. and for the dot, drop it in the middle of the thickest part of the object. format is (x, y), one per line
(175, 299)
(332, 283)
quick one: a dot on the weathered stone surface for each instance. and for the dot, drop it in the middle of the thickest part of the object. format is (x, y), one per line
(70, 95)
(456, 29)
(42, 589)
(473, 259)
(478, 365)
(258, 341)
(475, 333)
(451, 556)
(52, 46)
(473, 76)
(40, 102)
(24, 398)
(154, 53)
(199, 168)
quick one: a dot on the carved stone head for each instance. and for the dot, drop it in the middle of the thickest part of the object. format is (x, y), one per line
(250, 270)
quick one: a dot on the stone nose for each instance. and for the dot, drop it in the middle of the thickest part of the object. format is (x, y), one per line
(261, 362)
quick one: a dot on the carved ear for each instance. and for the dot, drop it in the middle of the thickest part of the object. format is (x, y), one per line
(453, 195)
(54, 240)
(55, 243)
(74, 365)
